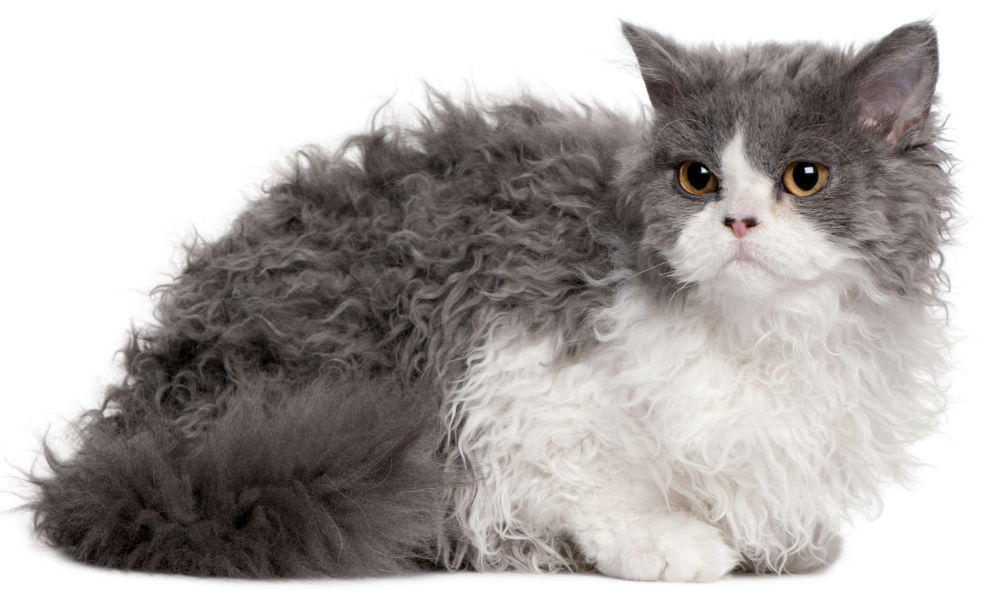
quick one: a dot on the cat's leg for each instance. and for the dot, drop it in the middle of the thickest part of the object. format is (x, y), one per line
(816, 556)
(634, 540)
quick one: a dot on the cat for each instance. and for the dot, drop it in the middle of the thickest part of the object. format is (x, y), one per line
(527, 336)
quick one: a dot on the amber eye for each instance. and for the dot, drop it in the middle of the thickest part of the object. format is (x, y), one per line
(697, 179)
(805, 178)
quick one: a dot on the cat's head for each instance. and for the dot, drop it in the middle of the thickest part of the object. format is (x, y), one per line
(772, 166)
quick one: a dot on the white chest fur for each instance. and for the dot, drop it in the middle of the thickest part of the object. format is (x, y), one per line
(770, 424)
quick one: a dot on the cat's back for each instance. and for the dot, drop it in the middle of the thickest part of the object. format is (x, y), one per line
(518, 158)
(396, 249)
(465, 169)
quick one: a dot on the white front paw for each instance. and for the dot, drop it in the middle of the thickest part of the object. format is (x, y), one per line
(696, 552)
(661, 549)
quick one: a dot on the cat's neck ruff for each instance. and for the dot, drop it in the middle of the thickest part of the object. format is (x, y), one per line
(793, 312)
(772, 419)
(787, 410)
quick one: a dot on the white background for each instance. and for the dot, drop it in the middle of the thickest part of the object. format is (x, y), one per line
(124, 128)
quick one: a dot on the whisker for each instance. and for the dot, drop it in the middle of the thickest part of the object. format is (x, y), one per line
(811, 137)
(657, 135)
(683, 286)
(644, 271)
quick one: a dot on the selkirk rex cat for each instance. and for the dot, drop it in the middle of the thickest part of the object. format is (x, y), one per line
(526, 336)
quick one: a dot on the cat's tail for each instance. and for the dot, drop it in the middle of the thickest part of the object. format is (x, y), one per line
(337, 480)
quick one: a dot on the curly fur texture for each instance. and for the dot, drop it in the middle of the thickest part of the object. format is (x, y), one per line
(507, 338)
(345, 272)
(327, 480)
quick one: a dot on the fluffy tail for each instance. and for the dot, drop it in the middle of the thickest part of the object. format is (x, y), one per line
(335, 480)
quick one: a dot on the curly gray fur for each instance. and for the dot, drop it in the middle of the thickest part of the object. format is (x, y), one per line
(384, 269)
(282, 417)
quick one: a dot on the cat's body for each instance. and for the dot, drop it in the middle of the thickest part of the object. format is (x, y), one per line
(532, 337)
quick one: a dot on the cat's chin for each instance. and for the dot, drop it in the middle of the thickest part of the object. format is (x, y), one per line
(747, 276)
(747, 266)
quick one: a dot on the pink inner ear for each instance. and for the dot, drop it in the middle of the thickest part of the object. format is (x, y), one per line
(900, 92)
(892, 89)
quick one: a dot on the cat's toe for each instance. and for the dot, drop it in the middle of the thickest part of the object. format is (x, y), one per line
(686, 551)
(696, 552)
(637, 561)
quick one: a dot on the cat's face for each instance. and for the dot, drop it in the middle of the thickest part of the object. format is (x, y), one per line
(747, 232)
(773, 166)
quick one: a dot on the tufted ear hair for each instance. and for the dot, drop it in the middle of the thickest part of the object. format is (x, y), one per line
(658, 57)
(894, 81)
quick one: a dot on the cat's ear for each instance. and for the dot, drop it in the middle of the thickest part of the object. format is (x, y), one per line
(658, 58)
(894, 82)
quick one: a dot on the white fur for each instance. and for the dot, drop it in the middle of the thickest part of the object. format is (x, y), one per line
(744, 422)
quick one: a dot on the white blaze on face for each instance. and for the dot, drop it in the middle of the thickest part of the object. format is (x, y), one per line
(748, 237)
(746, 193)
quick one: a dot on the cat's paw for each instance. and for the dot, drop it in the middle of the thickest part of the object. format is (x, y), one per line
(816, 558)
(688, 550)
(696, 552)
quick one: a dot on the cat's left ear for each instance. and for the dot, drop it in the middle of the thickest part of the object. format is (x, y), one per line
(894, 82)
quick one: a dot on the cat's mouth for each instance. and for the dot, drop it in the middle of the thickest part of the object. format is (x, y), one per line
(745, 257)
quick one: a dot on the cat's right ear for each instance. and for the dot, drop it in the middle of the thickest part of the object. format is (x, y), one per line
(658, 58)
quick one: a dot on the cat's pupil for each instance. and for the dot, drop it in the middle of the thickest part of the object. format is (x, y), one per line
(806, 176)
(698, 175)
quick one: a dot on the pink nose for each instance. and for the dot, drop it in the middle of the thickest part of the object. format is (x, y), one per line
(740, 226)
